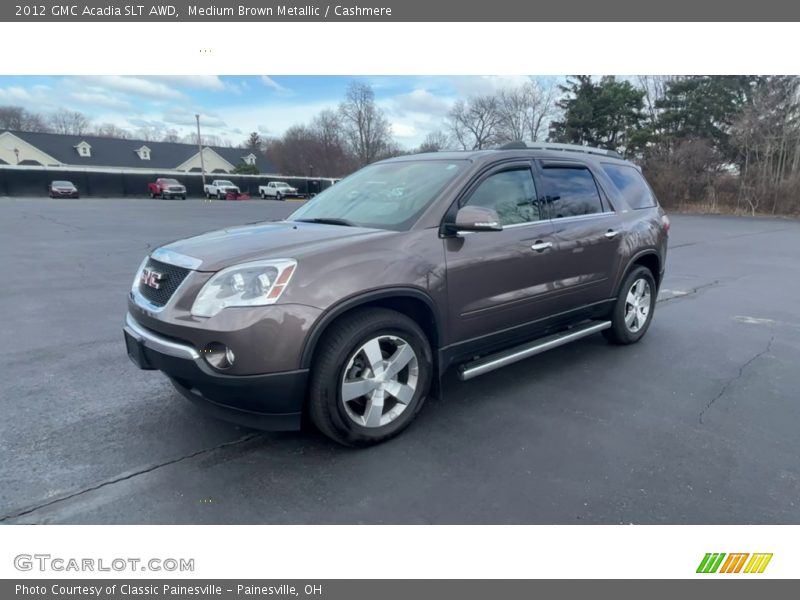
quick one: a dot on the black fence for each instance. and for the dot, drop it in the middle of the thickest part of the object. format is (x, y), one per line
(115, 184)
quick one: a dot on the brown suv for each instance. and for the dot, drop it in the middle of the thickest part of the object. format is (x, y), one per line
(349, 311)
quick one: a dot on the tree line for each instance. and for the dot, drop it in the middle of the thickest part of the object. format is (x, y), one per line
(718, 143)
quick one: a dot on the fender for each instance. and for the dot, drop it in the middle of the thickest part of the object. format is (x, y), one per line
(633, 259)
(364, 298)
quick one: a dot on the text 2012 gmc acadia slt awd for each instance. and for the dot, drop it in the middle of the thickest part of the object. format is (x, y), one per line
(348, 311)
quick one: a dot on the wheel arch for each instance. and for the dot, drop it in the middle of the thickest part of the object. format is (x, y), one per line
(646, 258)
(412, 302)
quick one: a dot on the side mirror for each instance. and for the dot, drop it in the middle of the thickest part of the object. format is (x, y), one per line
(477, 218)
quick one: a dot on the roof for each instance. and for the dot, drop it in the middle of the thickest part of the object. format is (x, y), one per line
(114, 152)
(550, 151)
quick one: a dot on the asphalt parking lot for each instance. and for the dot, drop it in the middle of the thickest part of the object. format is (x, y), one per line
(699, 423)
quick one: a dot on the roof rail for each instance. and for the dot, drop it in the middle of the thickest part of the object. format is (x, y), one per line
(563, 147)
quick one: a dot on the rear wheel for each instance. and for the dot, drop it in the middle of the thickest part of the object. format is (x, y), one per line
(633, 309)
(371, 376)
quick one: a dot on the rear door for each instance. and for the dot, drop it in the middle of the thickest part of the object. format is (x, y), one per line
(587, 232)
(500, 279)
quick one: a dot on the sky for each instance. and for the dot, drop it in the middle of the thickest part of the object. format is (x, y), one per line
(233, 106)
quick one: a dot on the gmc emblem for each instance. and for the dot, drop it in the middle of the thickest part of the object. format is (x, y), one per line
(152, 278)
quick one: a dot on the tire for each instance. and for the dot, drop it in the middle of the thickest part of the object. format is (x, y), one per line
(152, 196)
(220, 196)
(342, 354)
(278, 197)
(183, 197)
(633, 309)
(263, 196)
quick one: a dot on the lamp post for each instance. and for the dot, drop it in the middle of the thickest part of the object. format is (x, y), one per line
(200, 148)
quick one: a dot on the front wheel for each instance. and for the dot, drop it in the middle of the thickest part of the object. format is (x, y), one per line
(278, 196)
(633, 309)
(220, 196)
(371, 376)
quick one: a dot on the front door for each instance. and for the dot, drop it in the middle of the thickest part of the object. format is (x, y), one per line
(501, 279)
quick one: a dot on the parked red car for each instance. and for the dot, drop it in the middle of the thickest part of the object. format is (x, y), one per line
(165, 187)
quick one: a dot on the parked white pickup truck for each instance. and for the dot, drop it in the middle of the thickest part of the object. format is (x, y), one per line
(278, 190)
(220, 188)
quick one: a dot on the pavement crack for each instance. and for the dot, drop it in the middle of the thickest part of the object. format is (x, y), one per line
(724, 389)
(128, 476)
(689, 292)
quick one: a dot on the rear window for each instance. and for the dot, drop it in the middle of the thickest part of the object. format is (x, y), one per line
(631, 185)
(571, 191)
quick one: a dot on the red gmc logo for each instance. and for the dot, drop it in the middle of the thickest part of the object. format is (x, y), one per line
(152, 278)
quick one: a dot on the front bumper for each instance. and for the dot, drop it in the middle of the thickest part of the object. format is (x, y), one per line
(272, 401)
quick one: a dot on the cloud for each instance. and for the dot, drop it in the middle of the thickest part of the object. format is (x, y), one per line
(179, 116)
(273, 85)
(100, 100)
(194, 82)
(486, 84)
(15, 94)
(403, 130)
(420, 100)
(135, 86)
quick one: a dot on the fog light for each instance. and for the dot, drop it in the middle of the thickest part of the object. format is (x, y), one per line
(218, 355)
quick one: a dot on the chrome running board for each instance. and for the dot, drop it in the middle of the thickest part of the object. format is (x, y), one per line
(506, 357)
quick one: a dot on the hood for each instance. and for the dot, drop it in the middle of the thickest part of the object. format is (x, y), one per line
(280, 239)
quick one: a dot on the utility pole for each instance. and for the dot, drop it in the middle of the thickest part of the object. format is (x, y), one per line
(200, 148)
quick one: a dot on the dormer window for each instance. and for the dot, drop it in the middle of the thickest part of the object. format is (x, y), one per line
(250, 159)
(84, 150)
(144, 153)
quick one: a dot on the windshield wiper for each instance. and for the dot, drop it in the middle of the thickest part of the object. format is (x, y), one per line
(328, 221)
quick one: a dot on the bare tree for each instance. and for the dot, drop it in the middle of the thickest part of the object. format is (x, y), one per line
(17, 118)
(475, 123)
(365, 126)
(110, 130)
(435, 141)
(542, 108)
(69, 122)
(171, 136)
(655, 87)
(316, 149)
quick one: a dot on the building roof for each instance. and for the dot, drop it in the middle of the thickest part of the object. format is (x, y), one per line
(113, 152)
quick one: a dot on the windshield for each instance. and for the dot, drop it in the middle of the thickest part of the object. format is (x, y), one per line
(62, 183)
(385, 196)
(281, 184)
(224, 182)
(170, 181)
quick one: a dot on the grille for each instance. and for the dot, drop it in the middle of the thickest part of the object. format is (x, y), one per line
(173, 277)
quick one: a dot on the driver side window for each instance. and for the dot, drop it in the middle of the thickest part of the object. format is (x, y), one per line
(511, 194)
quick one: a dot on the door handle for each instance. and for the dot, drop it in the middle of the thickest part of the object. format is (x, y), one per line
(611, 234)
(540, 246)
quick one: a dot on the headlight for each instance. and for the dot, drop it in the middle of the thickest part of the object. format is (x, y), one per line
(249, 284)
